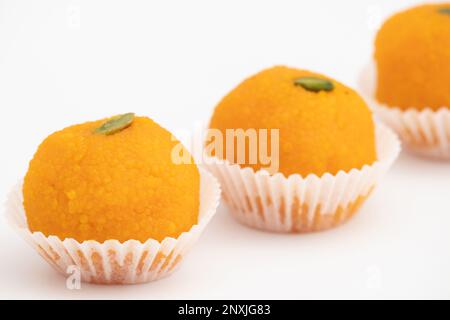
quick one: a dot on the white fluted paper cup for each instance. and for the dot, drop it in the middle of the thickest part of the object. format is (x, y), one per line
(113, 262)
(300, 204)
(424, 132)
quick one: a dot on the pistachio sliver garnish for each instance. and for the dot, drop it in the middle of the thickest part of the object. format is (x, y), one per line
(314, 84)
(444, 10)
(116, 124)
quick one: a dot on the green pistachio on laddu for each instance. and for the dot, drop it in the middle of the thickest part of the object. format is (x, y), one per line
(115, 124)
(314, 84)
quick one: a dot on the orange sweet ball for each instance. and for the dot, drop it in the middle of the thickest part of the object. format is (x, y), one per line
(86, 185)
(319, 131)
(412, 52)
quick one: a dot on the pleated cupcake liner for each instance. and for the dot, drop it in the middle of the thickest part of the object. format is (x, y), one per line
(297, 204)
(424, 132)
(113, 262)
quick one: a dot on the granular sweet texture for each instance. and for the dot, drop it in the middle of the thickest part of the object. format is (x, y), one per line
(123, 186)
(412, 52)
(320, 132)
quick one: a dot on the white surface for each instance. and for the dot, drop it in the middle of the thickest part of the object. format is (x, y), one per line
(63, 62)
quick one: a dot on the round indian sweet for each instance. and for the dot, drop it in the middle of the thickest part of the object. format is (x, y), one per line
(412, 53)
(323, 126)
(112, 179)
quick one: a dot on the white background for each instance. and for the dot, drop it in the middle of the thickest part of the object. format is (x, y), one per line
(64, 62)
